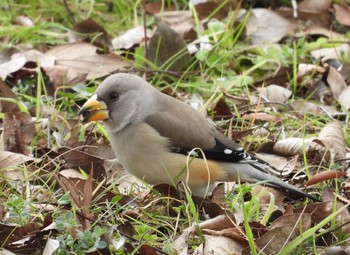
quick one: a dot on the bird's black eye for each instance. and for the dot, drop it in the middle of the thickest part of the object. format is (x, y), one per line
(114, 96)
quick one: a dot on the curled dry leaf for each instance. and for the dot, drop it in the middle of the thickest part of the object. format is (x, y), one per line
(302, 106)
(291, 146)
(275, 93)
(130, 38)
(301, 221)
(81, 60)
(336, 82)
(9, 161)
(167, 49)
(315, 6)
(283, 165)
(324, 176)
(11, 66)
(180, 21)
(91, 32)
(221, 245)
(344, 99)
(307, 69)
(6, 92)
(342, 14)
(23, 21)
(342, 51)
(19, 129)
(269, 26)
(332, 135)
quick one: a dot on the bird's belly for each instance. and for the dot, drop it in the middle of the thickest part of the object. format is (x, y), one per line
(147, 157)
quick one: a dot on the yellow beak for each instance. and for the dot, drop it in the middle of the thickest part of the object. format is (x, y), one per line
(94, 110)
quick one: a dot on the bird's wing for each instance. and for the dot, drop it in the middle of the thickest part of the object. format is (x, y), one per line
(187, 129)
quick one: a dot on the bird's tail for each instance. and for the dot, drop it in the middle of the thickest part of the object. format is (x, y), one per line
(255, 171)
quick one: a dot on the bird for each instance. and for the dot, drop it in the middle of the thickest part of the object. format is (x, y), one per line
(160, 139)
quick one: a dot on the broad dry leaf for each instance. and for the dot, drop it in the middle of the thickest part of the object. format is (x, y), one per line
(81, 60)
(35, 56)
(180, 21)
(336, 82)
(344, 98)
(19, 130)
(342, 14)
(9, 162)
(315, 6)
(303, 106)
(282, 165)
(308, 69)
(270, 27)
(90, 31)
(275, 93)
(291, 146)
(51, 246)
(167, 49)
(340, 52)
(299, 221)
(221, 7)
(11, 66)
(265, 192)
(332, 135)
(220, 245)
(274, 240)
(6, 92)
(23, 21)
(130, 38)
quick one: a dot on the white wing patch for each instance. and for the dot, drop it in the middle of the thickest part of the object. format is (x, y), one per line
(228, 151)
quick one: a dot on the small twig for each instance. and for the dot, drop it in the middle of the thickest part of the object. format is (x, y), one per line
(145, 26)
(70, 13)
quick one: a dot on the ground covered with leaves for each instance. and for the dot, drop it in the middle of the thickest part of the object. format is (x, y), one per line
(272, 74)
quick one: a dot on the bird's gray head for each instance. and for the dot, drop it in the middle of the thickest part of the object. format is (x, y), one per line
(120, 99)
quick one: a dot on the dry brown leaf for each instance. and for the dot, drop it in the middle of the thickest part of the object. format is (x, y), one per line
(6, 92)
(81, 60)
(263, 116)
(269, 26)
(315, 6)
(291, 146)
(35, 56)
(273, 241)
(332, 135)
(10, 159)
(344, 98)
(299, 221)
(19, 130)
(221, 7)
(157, 7)
(336, 82)
(80, 160)
(302, 106)
(23, 21)
(275, 93)
(130, 38)
(11, 66)
(91, 32)
(342, 51)
(318, 211)
(181, 22)
(221, 245)
(308, 69)
(265, 198)
(167, 49)
(283, 165)
(342, 14)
